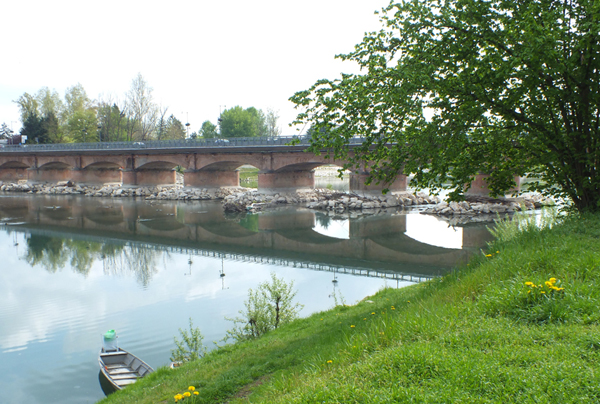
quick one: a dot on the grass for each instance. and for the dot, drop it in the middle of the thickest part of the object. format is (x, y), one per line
(249, 177)
(475, 336)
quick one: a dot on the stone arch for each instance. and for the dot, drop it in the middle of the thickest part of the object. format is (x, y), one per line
(98, 172)
(55, 165)
(14, 164)
(157, 166)
(13, 171)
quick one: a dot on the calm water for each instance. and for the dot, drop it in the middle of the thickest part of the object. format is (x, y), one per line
(73, 268)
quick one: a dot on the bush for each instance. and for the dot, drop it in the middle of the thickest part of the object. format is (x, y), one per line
(267, 308)
(191, 347)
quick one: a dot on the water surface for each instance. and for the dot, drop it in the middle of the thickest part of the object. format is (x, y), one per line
(74, 267)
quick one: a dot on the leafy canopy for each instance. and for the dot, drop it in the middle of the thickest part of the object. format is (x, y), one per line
(449, 89)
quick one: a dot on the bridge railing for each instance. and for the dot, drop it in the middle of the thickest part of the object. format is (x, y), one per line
(165, 144)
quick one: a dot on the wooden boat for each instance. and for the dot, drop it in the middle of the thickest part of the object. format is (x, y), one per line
(122, 368)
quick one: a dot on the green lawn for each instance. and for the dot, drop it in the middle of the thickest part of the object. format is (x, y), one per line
(479, 335)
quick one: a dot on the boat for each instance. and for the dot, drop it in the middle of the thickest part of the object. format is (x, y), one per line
(119, 367)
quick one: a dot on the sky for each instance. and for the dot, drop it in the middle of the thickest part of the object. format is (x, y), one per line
(200, 57)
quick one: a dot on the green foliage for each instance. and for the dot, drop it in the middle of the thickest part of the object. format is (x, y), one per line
(112, 122)
(33, 128)
(82, 126)
(238, 122)
(208, 130)
(449, 89)
(267, 308)
(190, 348)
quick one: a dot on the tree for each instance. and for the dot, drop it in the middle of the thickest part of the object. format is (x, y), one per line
(238, 122)
(268, 307)
(272, 128)
(28, 106)
(175, 129)
(33, 128)
(143, 112)
(5, 132)
(449, 89)
(208, 130)
(111, 120)
(82, 126)
(49, 102)
(51, 126)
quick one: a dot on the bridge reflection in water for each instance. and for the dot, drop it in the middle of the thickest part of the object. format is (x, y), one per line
(375, 246)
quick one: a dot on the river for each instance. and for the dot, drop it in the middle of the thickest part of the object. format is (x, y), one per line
(75, 267)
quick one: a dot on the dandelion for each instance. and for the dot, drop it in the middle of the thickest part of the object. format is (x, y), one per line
(364, 318)
(196, 393)
(352, 326)
(191, 388)
(187, 394)
(393, 308)
(488, 255)
(330, 361)
(529, 284)
(373, 313)
(178, 397)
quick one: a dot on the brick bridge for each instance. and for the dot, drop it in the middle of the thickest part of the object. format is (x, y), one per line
(206, 164)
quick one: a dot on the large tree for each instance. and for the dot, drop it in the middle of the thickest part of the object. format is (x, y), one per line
(239, 122)
(452, 88)
(142, 110)
(208, 130)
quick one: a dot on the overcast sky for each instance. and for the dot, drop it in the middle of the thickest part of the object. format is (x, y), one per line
(199, 56)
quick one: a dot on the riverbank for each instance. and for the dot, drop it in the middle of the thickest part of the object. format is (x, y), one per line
(519, 323)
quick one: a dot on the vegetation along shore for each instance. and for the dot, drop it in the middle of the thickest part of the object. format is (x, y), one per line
(519, 323)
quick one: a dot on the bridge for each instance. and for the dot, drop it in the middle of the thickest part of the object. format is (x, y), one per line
(206, 163)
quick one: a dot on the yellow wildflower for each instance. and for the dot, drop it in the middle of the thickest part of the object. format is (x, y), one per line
(352, 326)
(196, 393)
(330, 361)
(488, 255)
(529, 284)
(191, 388)
(187, 394)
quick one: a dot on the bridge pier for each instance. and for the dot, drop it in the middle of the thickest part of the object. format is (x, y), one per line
(357, 184)
(211, 178)
(286, 181)
(13, 174)
(479, 186)
(148, 177)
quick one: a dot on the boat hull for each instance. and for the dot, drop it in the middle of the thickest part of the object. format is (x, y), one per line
(121, 368)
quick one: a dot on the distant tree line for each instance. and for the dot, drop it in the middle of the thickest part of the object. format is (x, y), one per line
(47, 118)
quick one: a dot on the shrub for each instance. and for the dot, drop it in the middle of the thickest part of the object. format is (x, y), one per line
(268, 307)
(190, 347)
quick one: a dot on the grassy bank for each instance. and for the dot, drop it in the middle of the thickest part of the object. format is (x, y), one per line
(481, 335)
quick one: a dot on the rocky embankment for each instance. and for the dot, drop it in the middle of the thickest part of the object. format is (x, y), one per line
(324, 199)
(171, 192)
(338, 202)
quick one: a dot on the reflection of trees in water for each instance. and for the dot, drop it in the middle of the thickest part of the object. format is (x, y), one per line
(323, 219)
(132, 258)
(47, 252)
(53, 253)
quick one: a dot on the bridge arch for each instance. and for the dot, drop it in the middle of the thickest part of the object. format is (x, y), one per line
(13, 170)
